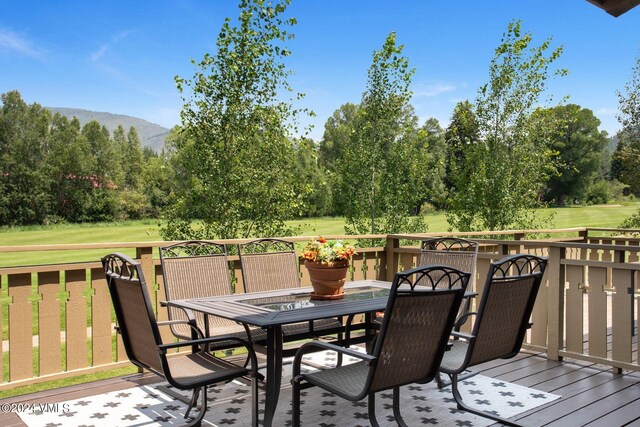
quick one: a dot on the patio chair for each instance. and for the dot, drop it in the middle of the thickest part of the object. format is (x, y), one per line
(454, 252)
(412, 340)
(500, 324)
(145, 349)
(198, 269)
(272, 264)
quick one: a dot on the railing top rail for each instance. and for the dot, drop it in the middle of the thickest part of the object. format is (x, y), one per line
(553, 244)
(619, 230)
(487, 233)
(154, 244)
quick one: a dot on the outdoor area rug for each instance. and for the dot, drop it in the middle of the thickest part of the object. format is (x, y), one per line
(229, 405)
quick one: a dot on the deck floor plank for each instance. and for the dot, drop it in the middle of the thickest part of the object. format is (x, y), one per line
(577, 396)
(589, 393)
(599, 408)
(625, 415)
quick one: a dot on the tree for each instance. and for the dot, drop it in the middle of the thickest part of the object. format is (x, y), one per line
(107, 172)
(626, 159)
(432, 141)
(237, 150)
(133, 160)
(71, 164)
(25, 179)
(629, 114)
(311, 180)
(338, 131)
(462, 131)
(579, 145)
(499, 176)
(382, 163)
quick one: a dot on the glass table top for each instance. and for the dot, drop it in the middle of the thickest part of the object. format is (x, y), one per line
(303, 300)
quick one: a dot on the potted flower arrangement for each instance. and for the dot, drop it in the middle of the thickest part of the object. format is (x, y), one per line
(327, 263)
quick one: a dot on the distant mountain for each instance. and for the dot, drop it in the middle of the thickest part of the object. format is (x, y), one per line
(613, 143)
(151, 135)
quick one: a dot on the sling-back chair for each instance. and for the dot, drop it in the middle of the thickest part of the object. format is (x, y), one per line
(200, 269)
(409, 348)
(500, 324)
(144, 347)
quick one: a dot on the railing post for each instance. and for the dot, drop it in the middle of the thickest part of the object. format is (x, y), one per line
(145, 256)
(556, 277)
(584, 234)
(392, 257)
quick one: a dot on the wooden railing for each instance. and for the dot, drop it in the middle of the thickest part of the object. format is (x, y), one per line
(58, 320)
(588, 307)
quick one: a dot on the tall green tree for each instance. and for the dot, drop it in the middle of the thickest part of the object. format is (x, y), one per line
(25, 179)
(237, 149)
(579, 146)
(106, 174)
(626, 159)
(71, 165)
(432, 142)
(133, 160)
(500, 176)
(463, 130)
(338, 131)
(377, 171)
(311, 179)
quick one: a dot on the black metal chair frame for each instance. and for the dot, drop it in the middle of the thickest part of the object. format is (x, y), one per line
(404, 286)
(505, 272)
(121, 267)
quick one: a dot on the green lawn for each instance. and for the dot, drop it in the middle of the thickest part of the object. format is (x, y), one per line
(148, 230)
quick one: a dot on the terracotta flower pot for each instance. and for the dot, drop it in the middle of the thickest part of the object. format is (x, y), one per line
(327, 279)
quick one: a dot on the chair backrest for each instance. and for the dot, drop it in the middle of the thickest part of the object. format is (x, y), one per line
(505, 308)
(195, 269)
(416, 326)
(269, 264)
(134, 311)
(452, 251)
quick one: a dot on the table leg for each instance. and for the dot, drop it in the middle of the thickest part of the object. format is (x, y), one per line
(274, 373)
(368, 320)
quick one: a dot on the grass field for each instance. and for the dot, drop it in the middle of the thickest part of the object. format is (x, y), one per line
(149, 230)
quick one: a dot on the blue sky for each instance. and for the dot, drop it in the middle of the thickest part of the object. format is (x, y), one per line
(121, 57)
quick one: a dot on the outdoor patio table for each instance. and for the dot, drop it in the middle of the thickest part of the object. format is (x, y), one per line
(273, 309)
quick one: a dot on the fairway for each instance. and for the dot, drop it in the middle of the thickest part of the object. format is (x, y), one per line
(149, 230)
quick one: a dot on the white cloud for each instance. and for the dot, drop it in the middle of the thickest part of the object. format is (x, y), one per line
(434, 89)
(15, 43)
(97, 54)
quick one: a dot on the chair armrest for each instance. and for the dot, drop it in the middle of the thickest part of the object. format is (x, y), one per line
(314, 346)
(463, 319)
(463, 335)
(203, 341)
(470, 294)
(323, 345)
(191, 323)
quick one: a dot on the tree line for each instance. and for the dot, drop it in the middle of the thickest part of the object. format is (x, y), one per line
(54, 170)
(238, 167)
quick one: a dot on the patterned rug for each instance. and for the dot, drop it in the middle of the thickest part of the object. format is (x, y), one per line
(229, 405)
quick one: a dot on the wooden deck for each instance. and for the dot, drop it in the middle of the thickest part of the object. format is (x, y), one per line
(591, 394)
